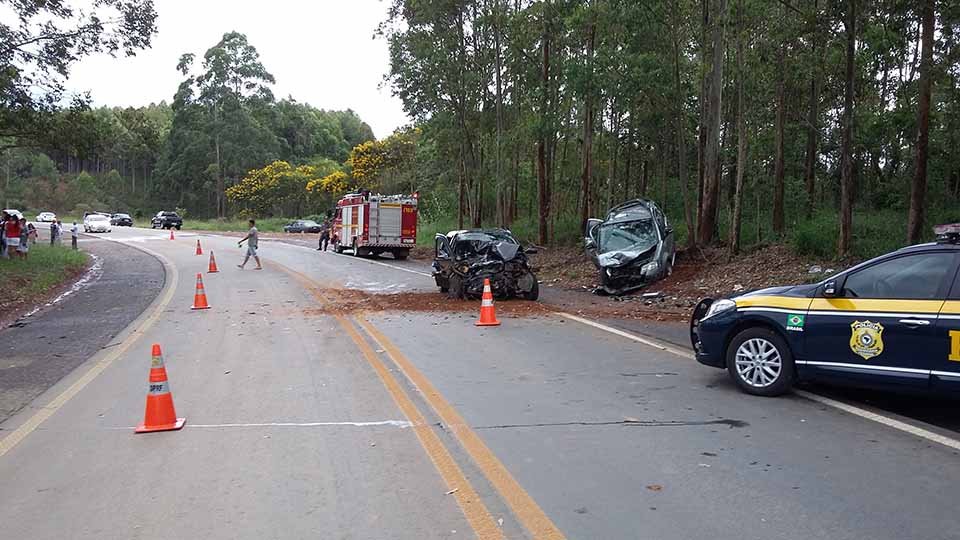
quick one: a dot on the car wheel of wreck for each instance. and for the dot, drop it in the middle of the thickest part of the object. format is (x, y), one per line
(455, 290)
(534, 293)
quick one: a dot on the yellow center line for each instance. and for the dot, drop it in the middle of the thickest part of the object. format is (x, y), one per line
(527, 510)
(477, 514)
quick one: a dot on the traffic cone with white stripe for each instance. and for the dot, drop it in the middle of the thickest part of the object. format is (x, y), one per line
(488, 313)
(200, 297)
(171, 233)
(212, 268)
(199, 250)
(160, 414)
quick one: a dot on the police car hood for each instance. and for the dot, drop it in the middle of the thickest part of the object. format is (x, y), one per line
(790, 290)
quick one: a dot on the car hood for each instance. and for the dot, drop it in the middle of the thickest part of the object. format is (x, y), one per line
(800, 291)
(617, 259)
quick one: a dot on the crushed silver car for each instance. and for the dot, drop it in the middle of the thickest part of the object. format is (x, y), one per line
(633, 247)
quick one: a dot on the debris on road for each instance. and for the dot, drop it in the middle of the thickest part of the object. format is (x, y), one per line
(655, 487)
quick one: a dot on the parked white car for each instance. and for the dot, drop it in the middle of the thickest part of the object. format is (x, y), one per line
(46, 217)
(96, 223)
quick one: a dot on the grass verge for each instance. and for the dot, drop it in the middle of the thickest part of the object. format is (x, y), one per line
(29, 281)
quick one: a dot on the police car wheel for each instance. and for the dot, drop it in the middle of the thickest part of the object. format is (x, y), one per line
(760, 362)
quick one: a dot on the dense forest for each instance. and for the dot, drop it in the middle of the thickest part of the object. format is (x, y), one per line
(828, 124)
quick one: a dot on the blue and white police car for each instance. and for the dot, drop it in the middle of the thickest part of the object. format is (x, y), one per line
(892, 322)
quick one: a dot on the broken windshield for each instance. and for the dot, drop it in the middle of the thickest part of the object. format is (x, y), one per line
(627, 236)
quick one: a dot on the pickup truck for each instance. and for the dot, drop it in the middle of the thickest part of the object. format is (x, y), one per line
(166, 220)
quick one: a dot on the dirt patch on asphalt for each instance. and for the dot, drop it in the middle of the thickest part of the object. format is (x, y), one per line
(345, 301)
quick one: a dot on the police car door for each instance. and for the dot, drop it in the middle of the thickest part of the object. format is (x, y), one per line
(879, 326)
(945, 361)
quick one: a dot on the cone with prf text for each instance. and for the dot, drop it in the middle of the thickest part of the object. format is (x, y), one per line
(200, 297)
(199, 250)
(488, 313)
(160, 414)
(171, 233)
(212, 269)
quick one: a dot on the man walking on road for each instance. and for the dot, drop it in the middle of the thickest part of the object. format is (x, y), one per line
(324, 235)
(251, 240)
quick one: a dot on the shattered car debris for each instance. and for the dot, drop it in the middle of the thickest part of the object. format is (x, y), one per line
(633, 247)
(463, 259)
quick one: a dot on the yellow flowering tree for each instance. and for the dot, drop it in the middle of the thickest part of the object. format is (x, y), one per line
(278, 187)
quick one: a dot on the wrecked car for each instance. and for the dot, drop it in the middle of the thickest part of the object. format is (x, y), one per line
(463, 259)
(633, 247)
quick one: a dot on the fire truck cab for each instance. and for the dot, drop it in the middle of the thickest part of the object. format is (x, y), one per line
(371, 224)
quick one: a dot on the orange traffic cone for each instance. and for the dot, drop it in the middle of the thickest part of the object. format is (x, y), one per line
(160, 414)
(212, 269)
(171, 233)
(200, 297)
(488, 313)
(199, 251)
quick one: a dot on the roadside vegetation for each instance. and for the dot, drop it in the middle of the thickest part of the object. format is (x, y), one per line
(826, 127)
(29, 281)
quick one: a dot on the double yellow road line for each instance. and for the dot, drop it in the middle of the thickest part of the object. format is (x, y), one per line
(524, 508)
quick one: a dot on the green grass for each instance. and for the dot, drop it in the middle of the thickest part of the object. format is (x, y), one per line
(45, 268)
(234, 225)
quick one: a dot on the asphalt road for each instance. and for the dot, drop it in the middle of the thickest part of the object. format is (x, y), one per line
(373, 425)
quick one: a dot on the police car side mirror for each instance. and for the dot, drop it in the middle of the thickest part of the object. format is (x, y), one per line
(831, 289)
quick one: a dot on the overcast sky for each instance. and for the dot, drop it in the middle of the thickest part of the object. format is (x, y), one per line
(321, 52)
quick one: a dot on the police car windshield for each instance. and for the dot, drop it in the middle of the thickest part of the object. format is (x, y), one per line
(627, 236)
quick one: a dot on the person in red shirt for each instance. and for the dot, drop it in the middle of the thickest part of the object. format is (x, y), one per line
(12, 233)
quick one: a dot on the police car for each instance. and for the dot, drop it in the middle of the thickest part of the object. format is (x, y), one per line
(892, 323)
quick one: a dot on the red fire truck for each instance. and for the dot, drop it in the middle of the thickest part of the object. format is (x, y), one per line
(372, 224)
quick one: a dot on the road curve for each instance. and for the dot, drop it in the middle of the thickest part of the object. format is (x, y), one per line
(306, 422)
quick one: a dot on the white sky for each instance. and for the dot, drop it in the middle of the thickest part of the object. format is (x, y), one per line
(321, 52)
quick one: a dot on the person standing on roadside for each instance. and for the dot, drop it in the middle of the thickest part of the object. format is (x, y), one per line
(74, 233)
(11, 229)
(251, 240)
(26, 234)
(55, 233)
(324, 235)
(3, 235)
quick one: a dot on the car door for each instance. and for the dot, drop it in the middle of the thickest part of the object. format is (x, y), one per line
(441, 260)
(877, 327)
(945, 345)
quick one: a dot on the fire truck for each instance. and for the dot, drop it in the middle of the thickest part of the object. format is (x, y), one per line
(371, 224)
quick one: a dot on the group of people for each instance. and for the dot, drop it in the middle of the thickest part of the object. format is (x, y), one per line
(56, 233)
(15, 236)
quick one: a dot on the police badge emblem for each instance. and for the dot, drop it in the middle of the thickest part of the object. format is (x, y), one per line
(866, 339)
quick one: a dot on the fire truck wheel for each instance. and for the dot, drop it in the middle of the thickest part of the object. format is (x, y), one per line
(337, 248)
(401, 254)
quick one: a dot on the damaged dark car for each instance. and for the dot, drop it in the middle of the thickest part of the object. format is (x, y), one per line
(463, 259)
(633, 247)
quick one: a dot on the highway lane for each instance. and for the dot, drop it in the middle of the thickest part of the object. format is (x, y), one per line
(556, 428)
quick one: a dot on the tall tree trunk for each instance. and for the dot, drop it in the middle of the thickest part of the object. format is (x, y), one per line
(737, 214)
(501, 195)
(810, 161)
(587, 173)
(461, 188)
(846, 151)
(918, 191)
(778, 166)
(220, 180)
(542, 188)
(679, 99)
(707, 227)
(704, 99)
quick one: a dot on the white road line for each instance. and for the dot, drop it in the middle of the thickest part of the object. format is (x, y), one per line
(628, 335)
(839, 405)
(889, 422)
(391, 423)
(388, 265)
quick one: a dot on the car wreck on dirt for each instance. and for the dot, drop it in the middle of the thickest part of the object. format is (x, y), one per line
(463, 259)
(633, 247)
